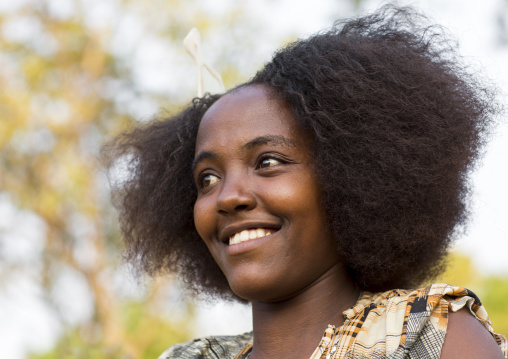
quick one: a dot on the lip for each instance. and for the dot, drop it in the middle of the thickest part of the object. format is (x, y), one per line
(250, 245)
(232, 229)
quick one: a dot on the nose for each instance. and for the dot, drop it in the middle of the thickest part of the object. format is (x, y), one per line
(235, 195)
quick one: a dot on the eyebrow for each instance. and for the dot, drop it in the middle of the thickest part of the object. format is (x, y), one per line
(270, 139)
(277, 140)
(203, 156)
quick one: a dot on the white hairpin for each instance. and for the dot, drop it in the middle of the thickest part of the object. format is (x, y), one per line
(192, 44)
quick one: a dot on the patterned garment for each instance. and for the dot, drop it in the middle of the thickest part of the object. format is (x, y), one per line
(395, 324)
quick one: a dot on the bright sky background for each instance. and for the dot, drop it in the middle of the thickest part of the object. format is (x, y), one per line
(25, 323)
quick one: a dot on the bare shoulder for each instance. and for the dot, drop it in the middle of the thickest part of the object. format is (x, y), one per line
(467, 338)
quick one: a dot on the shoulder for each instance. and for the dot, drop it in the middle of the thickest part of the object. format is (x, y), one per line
(223, 347)
(419, 322)
(459, 315)
(467, 337)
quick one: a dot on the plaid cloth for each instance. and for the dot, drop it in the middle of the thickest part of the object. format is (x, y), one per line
(395, 324)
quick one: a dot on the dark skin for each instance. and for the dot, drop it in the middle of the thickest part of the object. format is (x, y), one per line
(467, 338)
(306, 315)
(253, 172)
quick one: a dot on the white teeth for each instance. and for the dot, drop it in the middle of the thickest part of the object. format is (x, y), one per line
(247, 234)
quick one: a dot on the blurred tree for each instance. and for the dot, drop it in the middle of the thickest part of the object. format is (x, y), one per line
(147, 332)
(53, 116)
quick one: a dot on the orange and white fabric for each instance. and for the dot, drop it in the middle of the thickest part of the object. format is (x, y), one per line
(395, 324)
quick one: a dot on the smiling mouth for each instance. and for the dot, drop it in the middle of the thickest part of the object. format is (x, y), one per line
(249, 234)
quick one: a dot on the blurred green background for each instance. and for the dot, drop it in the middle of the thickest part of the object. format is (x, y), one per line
(72, 74)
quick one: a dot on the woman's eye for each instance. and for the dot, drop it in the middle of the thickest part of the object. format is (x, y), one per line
(208, 180)
(269, 162)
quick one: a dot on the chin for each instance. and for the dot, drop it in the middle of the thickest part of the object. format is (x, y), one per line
(256, 290)
(248, 291)
(256, 296)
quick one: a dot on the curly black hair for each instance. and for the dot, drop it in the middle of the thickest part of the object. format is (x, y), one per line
(398, 123)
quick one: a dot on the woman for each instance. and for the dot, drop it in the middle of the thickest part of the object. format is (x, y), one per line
(321, 191)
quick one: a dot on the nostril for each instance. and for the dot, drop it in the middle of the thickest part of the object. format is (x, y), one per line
(238, 208)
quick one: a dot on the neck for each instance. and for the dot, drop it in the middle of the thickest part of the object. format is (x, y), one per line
(293, 327)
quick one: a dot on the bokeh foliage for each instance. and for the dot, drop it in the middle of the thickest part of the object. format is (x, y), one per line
(147, 333)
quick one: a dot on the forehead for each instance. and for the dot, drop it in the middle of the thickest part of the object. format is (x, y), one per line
(244, 114)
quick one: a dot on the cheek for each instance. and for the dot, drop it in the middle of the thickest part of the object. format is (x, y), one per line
(301, 194)
(203, 218)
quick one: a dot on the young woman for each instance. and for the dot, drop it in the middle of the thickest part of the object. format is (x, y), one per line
(321, 191)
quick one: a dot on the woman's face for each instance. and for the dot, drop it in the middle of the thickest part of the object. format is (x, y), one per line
(258, 206)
